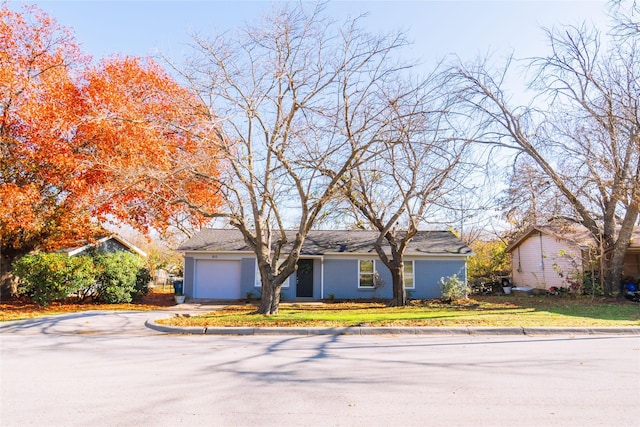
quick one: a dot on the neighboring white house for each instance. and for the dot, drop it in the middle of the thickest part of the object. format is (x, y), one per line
(546, 256)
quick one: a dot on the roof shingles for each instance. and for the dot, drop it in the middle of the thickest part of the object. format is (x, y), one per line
(321, 242)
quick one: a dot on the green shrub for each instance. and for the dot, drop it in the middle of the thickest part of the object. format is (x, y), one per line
(111, 278)
(143, 277)
(591, 286)
(48, 277)
(452, 288)
(121, 278)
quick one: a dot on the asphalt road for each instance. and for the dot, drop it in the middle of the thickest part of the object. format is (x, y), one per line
(106, 369)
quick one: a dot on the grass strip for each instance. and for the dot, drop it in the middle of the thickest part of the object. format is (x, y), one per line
(483, 311)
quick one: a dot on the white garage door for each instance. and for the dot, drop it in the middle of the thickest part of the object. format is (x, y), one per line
(217, 279)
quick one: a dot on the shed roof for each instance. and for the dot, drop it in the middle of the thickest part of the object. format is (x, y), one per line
(321, 242)
(130, 246)
(574, 234)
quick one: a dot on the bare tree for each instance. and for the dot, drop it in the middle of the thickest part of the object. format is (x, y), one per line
(626, 18)
(531, 198)
(469, 209)
(408, 172)
(295, 102)
(582, 130)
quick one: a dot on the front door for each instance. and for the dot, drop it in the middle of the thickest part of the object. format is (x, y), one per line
(304, 283)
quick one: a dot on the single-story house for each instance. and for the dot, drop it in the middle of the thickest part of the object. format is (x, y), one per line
(553, 256)
(112, 243)
(338, 264)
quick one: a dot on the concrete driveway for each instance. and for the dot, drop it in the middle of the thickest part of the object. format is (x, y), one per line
(107, 369)
(101, 321)
(85, 323)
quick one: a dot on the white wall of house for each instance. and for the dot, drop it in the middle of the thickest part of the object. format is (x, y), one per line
(542, 261)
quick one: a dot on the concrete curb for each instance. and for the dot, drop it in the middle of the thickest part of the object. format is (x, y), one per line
(595, 330)
(393, 330)
(193, 330)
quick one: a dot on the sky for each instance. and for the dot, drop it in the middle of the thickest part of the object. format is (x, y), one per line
(437, 28)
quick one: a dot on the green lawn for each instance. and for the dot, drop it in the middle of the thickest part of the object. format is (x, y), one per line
(509, 310)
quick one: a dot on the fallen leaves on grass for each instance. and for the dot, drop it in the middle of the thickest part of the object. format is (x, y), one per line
(486, 311)
(24, 308)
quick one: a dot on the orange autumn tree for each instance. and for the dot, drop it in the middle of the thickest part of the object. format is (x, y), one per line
(38, 156)
(80, 143)
(145, 125)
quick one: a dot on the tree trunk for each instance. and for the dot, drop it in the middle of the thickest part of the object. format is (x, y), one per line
(613, 258)
(613, 253)
(8, 286)
(396, 267)
(8, 282)
(270, 299)
(397, 279)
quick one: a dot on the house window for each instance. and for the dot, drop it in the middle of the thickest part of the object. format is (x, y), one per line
(258, 280)
(367, 274)
(409, 282)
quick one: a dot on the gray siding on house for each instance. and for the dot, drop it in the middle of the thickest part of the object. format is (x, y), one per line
(247, 277)
(386, 290)
(336, 255)
(189, 270)
(289, 292)
(317, 279)
(428, 273)
(341, 277)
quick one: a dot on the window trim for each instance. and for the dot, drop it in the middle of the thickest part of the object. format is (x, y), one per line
(413, 274)
(373, 274)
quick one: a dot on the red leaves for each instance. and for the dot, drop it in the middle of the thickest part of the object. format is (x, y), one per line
(140, 121)
(77, 141)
